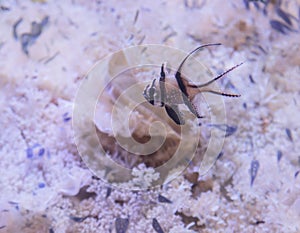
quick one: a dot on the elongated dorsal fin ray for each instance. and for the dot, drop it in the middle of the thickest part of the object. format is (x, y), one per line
(195, 50)
(162, 85)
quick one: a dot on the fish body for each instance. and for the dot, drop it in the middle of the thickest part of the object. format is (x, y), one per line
(169, 92)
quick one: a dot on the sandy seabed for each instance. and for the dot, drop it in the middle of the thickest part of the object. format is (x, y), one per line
(47, 47)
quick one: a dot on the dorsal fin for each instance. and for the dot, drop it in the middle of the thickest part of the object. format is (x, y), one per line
(183, 84)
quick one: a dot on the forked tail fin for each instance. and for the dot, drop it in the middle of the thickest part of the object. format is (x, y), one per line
(215, 79)
(222, 93)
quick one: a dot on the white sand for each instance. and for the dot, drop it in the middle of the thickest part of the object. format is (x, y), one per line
(39, 190)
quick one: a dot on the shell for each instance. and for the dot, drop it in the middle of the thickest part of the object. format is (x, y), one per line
(113, 109)
(125, 127)
(142, 122)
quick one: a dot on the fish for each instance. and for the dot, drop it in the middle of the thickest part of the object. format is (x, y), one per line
(169, 92)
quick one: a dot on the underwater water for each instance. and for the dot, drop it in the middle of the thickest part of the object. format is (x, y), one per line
(236, 172)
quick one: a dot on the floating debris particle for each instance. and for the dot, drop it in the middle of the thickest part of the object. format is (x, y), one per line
(251, 79)
(285, 16)
(142, 40)
(66, 117)
(163, 199)
(246, 2)
(41, 152)
(194, 4)
(172, 34)
(121, 225)
(15, 26)
(15, 204)
(51, 230)
(279, 26)
(289, 134)
(263, 1)
(257, 222)
(226, 128)
(28, 39)
(194, 38)
(136, 16)
(279, 155)
(29, 153)
(42, 185)
(1, 227)
(78, 219)
(36, 149)
(108, 192)
(4, 8)
(296, 173)
(256, 5)
(39, 1)
(156, 226)
(51, 58)
(262, 49)
(253, 170)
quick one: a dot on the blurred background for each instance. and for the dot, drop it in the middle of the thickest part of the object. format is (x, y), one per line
(47, 48)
